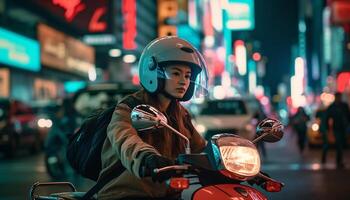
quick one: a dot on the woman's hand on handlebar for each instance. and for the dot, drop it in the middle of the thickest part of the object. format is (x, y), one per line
(152, 162)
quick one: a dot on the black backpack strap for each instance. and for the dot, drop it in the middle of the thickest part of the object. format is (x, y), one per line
(119, 169)
(131, 101)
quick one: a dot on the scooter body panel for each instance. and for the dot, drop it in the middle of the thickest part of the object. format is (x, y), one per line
(228, 192)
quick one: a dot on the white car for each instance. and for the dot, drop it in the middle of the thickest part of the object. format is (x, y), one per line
(225, 116)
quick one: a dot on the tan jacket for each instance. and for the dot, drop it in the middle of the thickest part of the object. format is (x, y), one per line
(125, 144)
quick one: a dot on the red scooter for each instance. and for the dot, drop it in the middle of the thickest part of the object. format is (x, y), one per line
(228, 161)
(220, 172)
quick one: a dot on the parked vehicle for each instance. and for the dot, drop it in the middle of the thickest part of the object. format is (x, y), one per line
(18, 128)
(314, 136)
(225, 116)
(44, 111)
(228, 161)
(84, 102)
(99, 95)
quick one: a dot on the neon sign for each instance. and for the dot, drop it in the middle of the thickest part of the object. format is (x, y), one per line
(343, 81)
(71, 7)
(19, 51)
(74, 7)
(87, 16)
(62, 52)
(95, 25)
(240, 14)
(129, 25)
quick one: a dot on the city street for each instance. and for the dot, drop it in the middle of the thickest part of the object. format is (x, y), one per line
(64, 66)
(17, 176)
(304, 176)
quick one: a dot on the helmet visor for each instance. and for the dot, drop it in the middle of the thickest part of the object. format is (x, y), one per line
(198, 76)
(201, 81)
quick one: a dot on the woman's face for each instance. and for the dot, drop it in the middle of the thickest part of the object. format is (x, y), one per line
(177, 80)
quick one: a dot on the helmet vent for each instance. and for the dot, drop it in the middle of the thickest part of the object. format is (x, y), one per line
(152, 63)
(187, 49)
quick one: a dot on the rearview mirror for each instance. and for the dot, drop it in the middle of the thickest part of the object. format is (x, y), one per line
(145, 117)
(269, 130)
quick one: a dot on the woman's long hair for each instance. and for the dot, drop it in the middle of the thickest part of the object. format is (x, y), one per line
(175, 116)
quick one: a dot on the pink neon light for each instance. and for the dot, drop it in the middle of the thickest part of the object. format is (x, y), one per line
(71, 7)
(129, 26)
(95, 25)
(343, 81)
(256, 56)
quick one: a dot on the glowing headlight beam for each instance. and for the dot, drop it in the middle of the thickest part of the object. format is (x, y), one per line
(241, 160)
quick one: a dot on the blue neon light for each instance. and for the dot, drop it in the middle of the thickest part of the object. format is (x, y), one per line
(19, 51)
(189, 34)
(74, 86)
(240, 15)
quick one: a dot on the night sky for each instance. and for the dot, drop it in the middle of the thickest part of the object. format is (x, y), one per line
(276, 27)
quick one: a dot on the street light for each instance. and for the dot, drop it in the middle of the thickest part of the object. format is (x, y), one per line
(129, 58)
(115, 53)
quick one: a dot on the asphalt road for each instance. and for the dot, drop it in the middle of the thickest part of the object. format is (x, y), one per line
(303, 174)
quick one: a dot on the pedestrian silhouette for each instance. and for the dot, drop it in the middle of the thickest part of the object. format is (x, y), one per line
(321, 117)
(299, 124)
(338, 116)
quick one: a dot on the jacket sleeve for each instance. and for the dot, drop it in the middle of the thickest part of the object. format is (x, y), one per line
(126, 143)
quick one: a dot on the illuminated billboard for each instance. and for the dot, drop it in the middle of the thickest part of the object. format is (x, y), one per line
(4, 83)
(65, 53)
(19, 51)
(240, 15)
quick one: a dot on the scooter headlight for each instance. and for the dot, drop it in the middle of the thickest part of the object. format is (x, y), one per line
(239, 156)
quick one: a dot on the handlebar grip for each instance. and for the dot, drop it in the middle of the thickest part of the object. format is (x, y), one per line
(172, 167)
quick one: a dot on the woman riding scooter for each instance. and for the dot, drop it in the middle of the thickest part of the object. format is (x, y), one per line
(171, 70)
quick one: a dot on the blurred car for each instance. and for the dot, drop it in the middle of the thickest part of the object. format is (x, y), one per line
(314, 135)
(76, 109)
(225, 116)
(45, 111)
(100, 95)
(18, 127)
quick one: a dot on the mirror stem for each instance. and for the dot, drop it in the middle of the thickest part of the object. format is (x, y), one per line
(188, 148)
(256, 140)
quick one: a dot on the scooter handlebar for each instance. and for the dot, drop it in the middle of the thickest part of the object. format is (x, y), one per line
(269, 184)
(172, 167)
(266, 178)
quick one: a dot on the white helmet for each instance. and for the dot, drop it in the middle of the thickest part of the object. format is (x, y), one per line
(168, 50)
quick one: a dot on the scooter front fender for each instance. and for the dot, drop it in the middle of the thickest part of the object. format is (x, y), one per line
(228, 192)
